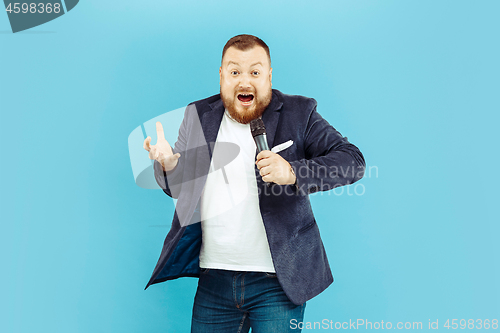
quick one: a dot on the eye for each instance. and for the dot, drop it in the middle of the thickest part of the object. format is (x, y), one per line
(255, 73)
(234, 72)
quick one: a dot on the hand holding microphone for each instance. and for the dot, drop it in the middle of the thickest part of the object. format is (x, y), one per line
(273, 168)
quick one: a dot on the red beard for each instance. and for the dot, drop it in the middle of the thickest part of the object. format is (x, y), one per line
(253, 113)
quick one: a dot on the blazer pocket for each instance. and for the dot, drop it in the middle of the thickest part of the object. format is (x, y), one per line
(306, 227)
(282, 147)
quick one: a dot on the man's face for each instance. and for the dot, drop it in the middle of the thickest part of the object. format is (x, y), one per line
(245, 83)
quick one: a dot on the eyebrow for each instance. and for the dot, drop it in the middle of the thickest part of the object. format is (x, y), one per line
(235, 63)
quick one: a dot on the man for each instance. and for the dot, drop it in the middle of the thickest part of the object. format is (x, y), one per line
(257, 251)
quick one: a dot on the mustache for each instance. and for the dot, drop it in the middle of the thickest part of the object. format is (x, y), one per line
(245, 91)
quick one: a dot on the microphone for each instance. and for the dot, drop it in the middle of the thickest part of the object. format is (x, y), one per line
(259, 135)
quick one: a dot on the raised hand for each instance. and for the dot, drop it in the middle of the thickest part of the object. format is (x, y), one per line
(161, 151)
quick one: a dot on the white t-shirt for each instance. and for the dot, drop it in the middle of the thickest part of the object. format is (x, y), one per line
(233, 234)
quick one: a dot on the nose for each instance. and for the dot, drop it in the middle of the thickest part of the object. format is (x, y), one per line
(244, 82)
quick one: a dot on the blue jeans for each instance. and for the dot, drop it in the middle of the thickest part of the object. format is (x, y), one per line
(233, 302)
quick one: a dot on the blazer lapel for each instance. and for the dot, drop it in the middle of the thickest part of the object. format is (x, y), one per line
(271, 118)
(210, 123)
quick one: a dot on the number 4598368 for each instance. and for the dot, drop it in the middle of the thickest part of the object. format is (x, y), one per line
(33, 8)
(471, 324)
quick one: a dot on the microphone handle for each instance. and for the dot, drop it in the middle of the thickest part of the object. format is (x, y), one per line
(261, 143)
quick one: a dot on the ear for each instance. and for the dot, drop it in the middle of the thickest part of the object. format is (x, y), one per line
(271, 76)
(220, 74)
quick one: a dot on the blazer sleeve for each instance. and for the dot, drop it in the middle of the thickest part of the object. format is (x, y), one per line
(330, 159)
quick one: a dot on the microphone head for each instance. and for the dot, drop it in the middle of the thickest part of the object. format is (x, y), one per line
(257, 127)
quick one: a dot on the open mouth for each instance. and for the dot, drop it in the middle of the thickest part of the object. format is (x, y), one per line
(245, 98)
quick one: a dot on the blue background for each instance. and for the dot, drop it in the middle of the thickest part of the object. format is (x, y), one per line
(414, 84)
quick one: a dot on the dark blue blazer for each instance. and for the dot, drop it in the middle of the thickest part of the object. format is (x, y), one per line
(321, 158)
